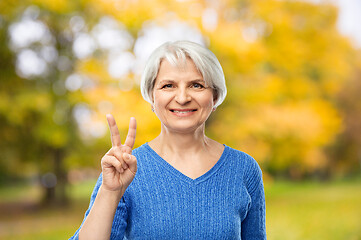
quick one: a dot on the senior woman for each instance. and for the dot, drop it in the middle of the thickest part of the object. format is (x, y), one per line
(182, 184)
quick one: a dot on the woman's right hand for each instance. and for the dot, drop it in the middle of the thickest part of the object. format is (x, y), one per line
(118, 165)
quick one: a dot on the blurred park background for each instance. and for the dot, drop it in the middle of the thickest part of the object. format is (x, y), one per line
(294, 85)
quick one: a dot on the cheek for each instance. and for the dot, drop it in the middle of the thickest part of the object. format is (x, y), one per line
(208, 100)
(155, 98)
(160, 99)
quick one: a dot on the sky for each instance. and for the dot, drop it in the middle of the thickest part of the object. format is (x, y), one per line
(349, 20)
(30, 30)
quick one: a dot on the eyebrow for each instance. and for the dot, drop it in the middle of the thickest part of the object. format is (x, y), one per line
(199, 81)
(166, 81)
(192, 81)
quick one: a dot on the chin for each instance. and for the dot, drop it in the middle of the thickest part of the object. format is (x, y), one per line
(183, 128)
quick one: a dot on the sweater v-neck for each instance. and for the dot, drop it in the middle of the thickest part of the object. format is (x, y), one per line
(181, 175)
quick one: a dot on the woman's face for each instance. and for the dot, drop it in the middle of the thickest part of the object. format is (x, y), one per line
(181, 99)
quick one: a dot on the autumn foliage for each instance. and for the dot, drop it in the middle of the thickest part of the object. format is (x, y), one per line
(65, 64)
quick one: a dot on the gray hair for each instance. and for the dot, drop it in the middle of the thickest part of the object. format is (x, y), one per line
(205, 61)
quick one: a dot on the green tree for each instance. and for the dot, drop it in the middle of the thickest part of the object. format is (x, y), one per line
(81, 59)
(345, 152)
(36, 108)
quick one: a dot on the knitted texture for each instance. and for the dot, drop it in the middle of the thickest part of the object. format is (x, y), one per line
(227, 202)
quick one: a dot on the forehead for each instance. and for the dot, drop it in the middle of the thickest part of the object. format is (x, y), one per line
(183, 68)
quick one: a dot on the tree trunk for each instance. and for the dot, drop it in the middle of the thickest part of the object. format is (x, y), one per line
(55, 183)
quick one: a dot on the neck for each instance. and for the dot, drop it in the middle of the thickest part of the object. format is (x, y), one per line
(181, 143)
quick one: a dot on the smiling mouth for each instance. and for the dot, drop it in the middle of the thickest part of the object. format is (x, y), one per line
(183, 111)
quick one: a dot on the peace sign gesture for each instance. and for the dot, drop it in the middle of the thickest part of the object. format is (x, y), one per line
(118, 165)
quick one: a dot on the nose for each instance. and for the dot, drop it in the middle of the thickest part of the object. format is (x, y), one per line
(182, 96)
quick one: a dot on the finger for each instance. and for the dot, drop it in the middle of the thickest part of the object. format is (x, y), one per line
(131, 160)
(119, 155)
(110, 161)
(114, 132)
(130, 140)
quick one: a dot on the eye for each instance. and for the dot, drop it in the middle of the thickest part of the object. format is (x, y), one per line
(169, 85)
(197, 85)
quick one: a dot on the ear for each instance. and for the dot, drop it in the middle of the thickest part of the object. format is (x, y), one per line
(151, 95)
(152, 101)
(215, 95)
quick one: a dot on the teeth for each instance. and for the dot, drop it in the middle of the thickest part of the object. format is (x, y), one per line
(182, 111)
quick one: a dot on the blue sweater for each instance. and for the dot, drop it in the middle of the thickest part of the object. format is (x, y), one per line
(227, 202)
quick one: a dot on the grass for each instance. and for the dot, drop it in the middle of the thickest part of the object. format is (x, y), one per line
(311, 210)
(22, 219)
(301, 210)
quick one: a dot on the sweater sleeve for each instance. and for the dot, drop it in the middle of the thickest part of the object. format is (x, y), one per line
(120, 217)
(254, 225)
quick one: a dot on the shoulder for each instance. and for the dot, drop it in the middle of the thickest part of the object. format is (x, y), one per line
(142, 149)
(145, 156)
(242, 158)
(251, 171)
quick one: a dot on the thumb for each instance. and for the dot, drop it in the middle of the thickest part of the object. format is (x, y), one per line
(131, 161)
